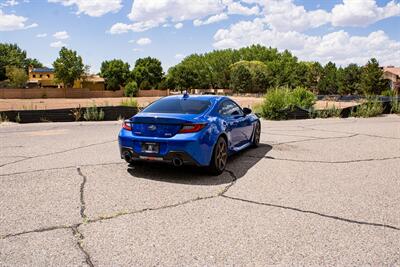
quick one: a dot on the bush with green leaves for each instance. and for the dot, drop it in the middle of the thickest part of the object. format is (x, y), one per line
(131, 102)
(131, 89)
(93, 114)
(301, 97)
(277, 101)
(17, 76)
(371, 108)
(395, 105)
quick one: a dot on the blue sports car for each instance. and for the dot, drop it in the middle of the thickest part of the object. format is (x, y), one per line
(201, 130)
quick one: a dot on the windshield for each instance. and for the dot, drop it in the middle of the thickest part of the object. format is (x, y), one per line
(178, 105)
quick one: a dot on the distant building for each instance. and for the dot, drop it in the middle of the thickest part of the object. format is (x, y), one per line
(92, 82)
(44, 77)
(393, 75)
(41, 77)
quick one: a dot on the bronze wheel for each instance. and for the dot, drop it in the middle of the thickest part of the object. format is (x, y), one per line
(257, 134)
(220, 157)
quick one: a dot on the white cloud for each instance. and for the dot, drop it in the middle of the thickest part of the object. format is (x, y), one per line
(179, 56)
(143, 41)
(137, 50)
(131, 41)
(176, 10)
(93, 8)
(147, 14)
(178, 25)
(239, 9)
(362, 13)
(210, 20)
(284, 15)
(135, 27)
(11, 22)
(338, 46)
(57, 44)
(61, 35)
(41, 35)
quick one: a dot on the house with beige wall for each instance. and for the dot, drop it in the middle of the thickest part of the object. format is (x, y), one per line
(44, 78)
(393, 75)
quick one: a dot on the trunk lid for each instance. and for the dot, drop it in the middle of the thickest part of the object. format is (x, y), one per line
(156, 125)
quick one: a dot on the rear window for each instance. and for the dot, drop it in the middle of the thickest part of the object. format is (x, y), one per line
(178, 105)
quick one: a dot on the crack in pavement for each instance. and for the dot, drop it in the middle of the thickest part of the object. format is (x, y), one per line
(59, 152)
(39, 230)
(82, 192)
(314, 213)
(89, 221)
(316, 138)
(79, 243)
(116, 215)
(322, 161)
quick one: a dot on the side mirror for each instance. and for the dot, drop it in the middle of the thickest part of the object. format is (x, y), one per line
(246, 111)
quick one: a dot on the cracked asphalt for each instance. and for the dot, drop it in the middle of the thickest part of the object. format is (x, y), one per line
(316, 192)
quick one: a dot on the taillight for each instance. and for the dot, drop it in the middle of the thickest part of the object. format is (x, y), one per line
(127, 125)
(192, 128)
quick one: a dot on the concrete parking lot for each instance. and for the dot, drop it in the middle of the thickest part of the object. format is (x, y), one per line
(316, 192)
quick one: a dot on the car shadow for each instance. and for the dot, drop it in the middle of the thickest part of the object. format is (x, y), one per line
(238, 163)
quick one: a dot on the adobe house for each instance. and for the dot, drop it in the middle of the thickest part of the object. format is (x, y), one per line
(41, 77)
(393, 75)
(44, 77)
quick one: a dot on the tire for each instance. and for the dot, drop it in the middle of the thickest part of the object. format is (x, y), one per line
(219, 157)
(256, 136)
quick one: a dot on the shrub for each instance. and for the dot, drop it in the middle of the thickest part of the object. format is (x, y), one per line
(3, 118)
(301, 97)
(17, 76)
(131, 89)
(278, 100)
(275, 101)
(131, 102)
(93, 114)
(371, 108)
(395, 105)
(77, 113)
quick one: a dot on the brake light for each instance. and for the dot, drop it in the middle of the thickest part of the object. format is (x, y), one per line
(127, 125)
(192, 128)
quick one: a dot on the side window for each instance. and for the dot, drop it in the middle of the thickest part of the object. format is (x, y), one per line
(229, 108)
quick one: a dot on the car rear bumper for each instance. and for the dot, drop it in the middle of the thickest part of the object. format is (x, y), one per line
(194, 148)
(129, 154)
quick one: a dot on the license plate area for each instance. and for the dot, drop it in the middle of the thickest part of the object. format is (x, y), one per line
(150, 148)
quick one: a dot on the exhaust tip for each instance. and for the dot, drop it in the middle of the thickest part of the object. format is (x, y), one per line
(177, 162)
(127, 156)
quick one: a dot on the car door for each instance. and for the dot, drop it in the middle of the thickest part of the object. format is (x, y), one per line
(236, 122)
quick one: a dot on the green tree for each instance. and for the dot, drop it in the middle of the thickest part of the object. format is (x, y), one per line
(259, 76)
(148, 69)
(313, 75)
(131, 89)
(115, 72)
(372, 81)
(13, 55)
(241, 79)
(68, 67)
(33, 62)
(328, 83)
(10, 55)
(17, 76)
(349, 79)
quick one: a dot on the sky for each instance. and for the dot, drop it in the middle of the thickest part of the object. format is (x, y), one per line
(342, 31)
